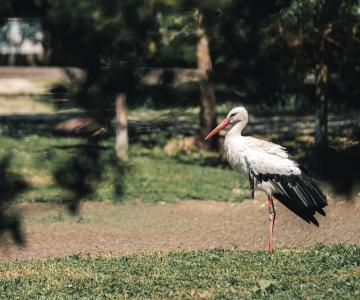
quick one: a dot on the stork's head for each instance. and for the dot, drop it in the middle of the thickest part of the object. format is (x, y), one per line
(236, 115)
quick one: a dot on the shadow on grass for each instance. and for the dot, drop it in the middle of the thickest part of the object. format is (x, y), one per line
(11, 185)
(83, 171)
(206, 161)
(146, 131)
(84, 147)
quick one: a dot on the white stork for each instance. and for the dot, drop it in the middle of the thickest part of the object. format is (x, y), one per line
(270, 169)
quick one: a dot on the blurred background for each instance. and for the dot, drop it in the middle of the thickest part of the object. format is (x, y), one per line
(110, 101)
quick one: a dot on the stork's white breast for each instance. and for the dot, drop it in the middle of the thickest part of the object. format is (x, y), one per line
(235, 149)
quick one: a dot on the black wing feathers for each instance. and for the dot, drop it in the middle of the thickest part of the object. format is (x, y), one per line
(299, 193)
(252, 184)
(306, 214)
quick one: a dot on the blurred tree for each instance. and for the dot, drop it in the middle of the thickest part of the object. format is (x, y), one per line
(84, 172)
(20, 9)
(321, 38)
(228, 34)
(127, 36)
(257, 51)
(122, 139)
(109, 40)
(185, 21)
(207, 89)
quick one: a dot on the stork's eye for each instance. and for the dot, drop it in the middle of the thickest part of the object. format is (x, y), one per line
(232, 115)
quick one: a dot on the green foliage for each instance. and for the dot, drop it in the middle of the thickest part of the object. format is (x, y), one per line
(241, 57)
(312, 33)
(109, 40)
(95, 33)
(176, 46)
(314, 273)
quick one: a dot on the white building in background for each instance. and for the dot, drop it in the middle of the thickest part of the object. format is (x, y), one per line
(21, 40)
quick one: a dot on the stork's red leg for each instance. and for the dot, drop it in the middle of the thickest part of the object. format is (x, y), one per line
(272, 215)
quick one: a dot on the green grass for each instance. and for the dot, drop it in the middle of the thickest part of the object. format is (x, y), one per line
(150, 175)
(318, 272)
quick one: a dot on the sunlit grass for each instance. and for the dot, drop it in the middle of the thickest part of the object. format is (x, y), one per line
(18, 104)
(25, 104)
(318, 272)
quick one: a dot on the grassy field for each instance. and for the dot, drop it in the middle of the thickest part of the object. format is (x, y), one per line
(318, 272)
(150, 175)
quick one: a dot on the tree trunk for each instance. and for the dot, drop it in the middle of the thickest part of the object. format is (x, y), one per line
(207, 92)
(121, 123)
(321, 118)
(12, 59)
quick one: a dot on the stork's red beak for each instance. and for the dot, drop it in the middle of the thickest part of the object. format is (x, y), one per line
(222, 125)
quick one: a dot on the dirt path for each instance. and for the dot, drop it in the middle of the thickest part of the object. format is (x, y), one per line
(105, 227)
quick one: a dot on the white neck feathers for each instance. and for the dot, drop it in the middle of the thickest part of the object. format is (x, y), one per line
(237, 129)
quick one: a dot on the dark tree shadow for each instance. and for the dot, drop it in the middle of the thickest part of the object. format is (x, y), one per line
(217, 161)
(335, 165)
(11, 185)
(340, 167)
(83, 171)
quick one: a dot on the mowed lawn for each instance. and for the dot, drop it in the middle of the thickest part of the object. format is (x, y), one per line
(318, 272)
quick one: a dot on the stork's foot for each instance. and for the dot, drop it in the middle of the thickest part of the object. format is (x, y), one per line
(272, 216)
